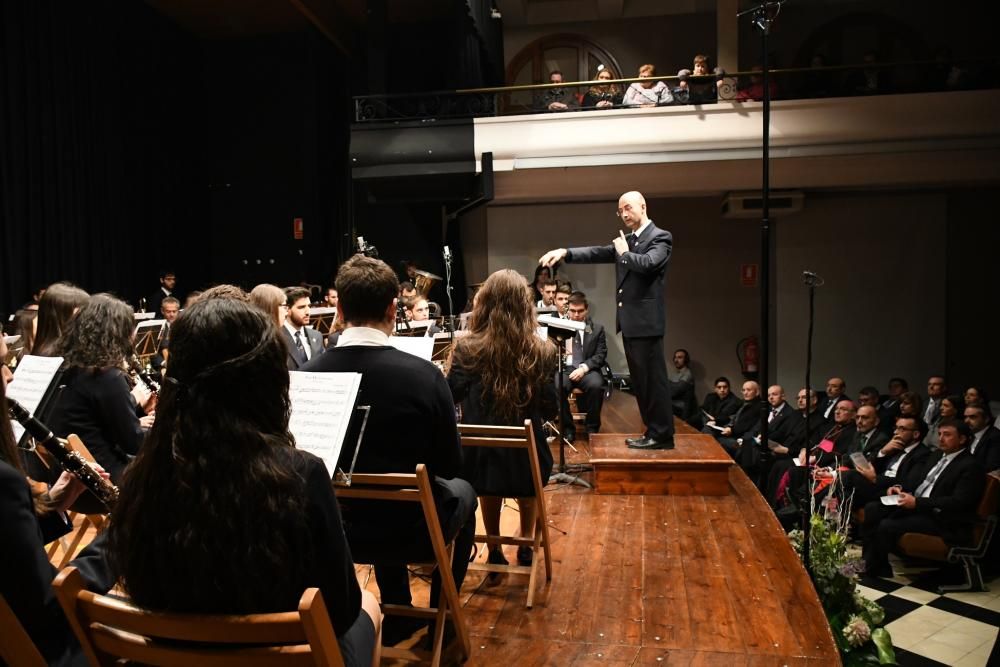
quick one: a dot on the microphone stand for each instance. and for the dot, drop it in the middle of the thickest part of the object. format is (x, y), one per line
(812, 281)
(561, 474)
(447, 289)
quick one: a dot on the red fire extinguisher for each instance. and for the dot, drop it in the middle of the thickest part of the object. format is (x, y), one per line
(748, 353)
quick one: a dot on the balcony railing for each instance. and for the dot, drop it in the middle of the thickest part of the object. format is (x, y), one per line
(785, 84)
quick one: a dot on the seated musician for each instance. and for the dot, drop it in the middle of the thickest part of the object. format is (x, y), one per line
(501, 372)
(29, 519)
(401, 389)
(220, 513)
(589, 351)
(418, 310)
(96, 401)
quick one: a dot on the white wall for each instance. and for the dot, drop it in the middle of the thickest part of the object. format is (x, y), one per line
(877, 316)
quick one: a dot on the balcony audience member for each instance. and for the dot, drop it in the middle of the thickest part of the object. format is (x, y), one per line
(59, 304)
(647, 93)
(603, 96)
(558, 99)
(699, 92)
(943, 503)
(985, 437)
(818, 82)
(502, 373)
(755, 91)
(184, 540)
(870, 79)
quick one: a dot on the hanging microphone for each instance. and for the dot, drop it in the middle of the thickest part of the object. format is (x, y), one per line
(812, 278)
(447, 253)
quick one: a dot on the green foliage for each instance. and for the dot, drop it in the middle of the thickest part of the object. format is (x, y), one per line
(856, 621)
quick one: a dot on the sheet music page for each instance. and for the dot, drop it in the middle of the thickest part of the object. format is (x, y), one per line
(32, 379)
(418, 346)
(146, 326)
(322, 406)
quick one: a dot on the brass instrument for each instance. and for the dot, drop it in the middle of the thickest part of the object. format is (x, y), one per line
(69, 460)
(424, 281)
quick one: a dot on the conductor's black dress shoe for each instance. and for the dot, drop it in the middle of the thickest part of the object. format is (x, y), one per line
(650, 443)
(631, 441)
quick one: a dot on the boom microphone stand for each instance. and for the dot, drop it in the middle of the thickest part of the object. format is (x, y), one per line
(812, 281)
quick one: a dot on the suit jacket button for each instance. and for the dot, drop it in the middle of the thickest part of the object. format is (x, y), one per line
(619, 304)
(619, 291)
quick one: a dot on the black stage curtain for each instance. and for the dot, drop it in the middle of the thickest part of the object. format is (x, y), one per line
(98, 126)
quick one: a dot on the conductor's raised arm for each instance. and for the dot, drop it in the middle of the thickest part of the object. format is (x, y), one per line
(552, 257)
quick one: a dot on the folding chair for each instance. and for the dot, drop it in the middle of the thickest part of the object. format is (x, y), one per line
(416, 488)
(111, 629)
(515, 437)
(16, 648)
(70, 543)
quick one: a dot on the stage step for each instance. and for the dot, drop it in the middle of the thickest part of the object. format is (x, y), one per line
(697, 466)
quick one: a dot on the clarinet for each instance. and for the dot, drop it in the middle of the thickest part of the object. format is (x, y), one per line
(152, 385)
(69, 460)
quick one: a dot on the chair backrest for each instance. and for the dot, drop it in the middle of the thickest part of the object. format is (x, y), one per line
(16, 647)
(111, 628)
(513, 437)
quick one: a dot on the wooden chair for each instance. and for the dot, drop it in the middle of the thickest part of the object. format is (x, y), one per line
(16, 647)
(574, 409)
(932, 547)
(64, 549)
(111, 629)
(416, 488)
(516, 437)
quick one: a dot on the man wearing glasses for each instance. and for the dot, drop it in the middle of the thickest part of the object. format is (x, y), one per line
(640, 266)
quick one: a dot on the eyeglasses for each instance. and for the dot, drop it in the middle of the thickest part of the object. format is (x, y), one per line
(626, 207)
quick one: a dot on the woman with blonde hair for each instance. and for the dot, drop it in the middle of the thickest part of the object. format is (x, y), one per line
(647, 93)
(502, 374)
(271, 299)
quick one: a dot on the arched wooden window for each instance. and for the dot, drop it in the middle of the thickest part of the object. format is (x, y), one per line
(574, 55)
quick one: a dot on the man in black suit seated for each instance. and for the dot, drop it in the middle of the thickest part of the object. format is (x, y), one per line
(304, 342)
(836, 390)
(901, 461)
(868, 439)
(401, 389)
(589, 350)
(780, 421)
(719, 406)
(888, 409)
(746, 419)
(985, 445)
(943, 503)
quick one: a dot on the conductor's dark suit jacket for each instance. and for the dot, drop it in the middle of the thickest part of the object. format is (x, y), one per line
(641, 275)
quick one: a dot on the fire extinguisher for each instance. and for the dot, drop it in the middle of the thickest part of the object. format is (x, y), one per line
(748, 353)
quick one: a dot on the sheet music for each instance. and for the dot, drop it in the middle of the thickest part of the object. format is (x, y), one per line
(322, 310)
(542, 332)
(146, 326)
(418, 346)
(32, 380)
(322, 406)
(144, 316)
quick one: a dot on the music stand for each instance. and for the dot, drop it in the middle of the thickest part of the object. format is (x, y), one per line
(148, 334)
(560, 330)
(322, 319)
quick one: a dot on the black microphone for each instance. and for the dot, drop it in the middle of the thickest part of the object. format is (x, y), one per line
(812, 278)
(447, 253)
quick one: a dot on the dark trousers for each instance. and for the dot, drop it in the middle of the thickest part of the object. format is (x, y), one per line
(391, 547)
(883, 527)
(647, 369)
(590, 401)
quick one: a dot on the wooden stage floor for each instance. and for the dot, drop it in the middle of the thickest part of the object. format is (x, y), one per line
(652, 580)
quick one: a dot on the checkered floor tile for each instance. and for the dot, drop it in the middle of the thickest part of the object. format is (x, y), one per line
(954, 629)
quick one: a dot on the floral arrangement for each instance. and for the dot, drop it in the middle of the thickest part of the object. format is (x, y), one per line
(855, 620)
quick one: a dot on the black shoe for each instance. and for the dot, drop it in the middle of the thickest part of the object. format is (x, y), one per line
(650, 443)
(495, 557)
(632, 441)
(525, 556)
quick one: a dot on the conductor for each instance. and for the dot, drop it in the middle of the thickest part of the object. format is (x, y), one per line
(640, 266)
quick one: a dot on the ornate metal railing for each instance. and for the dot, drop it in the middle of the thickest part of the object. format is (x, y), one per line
(807, 83)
